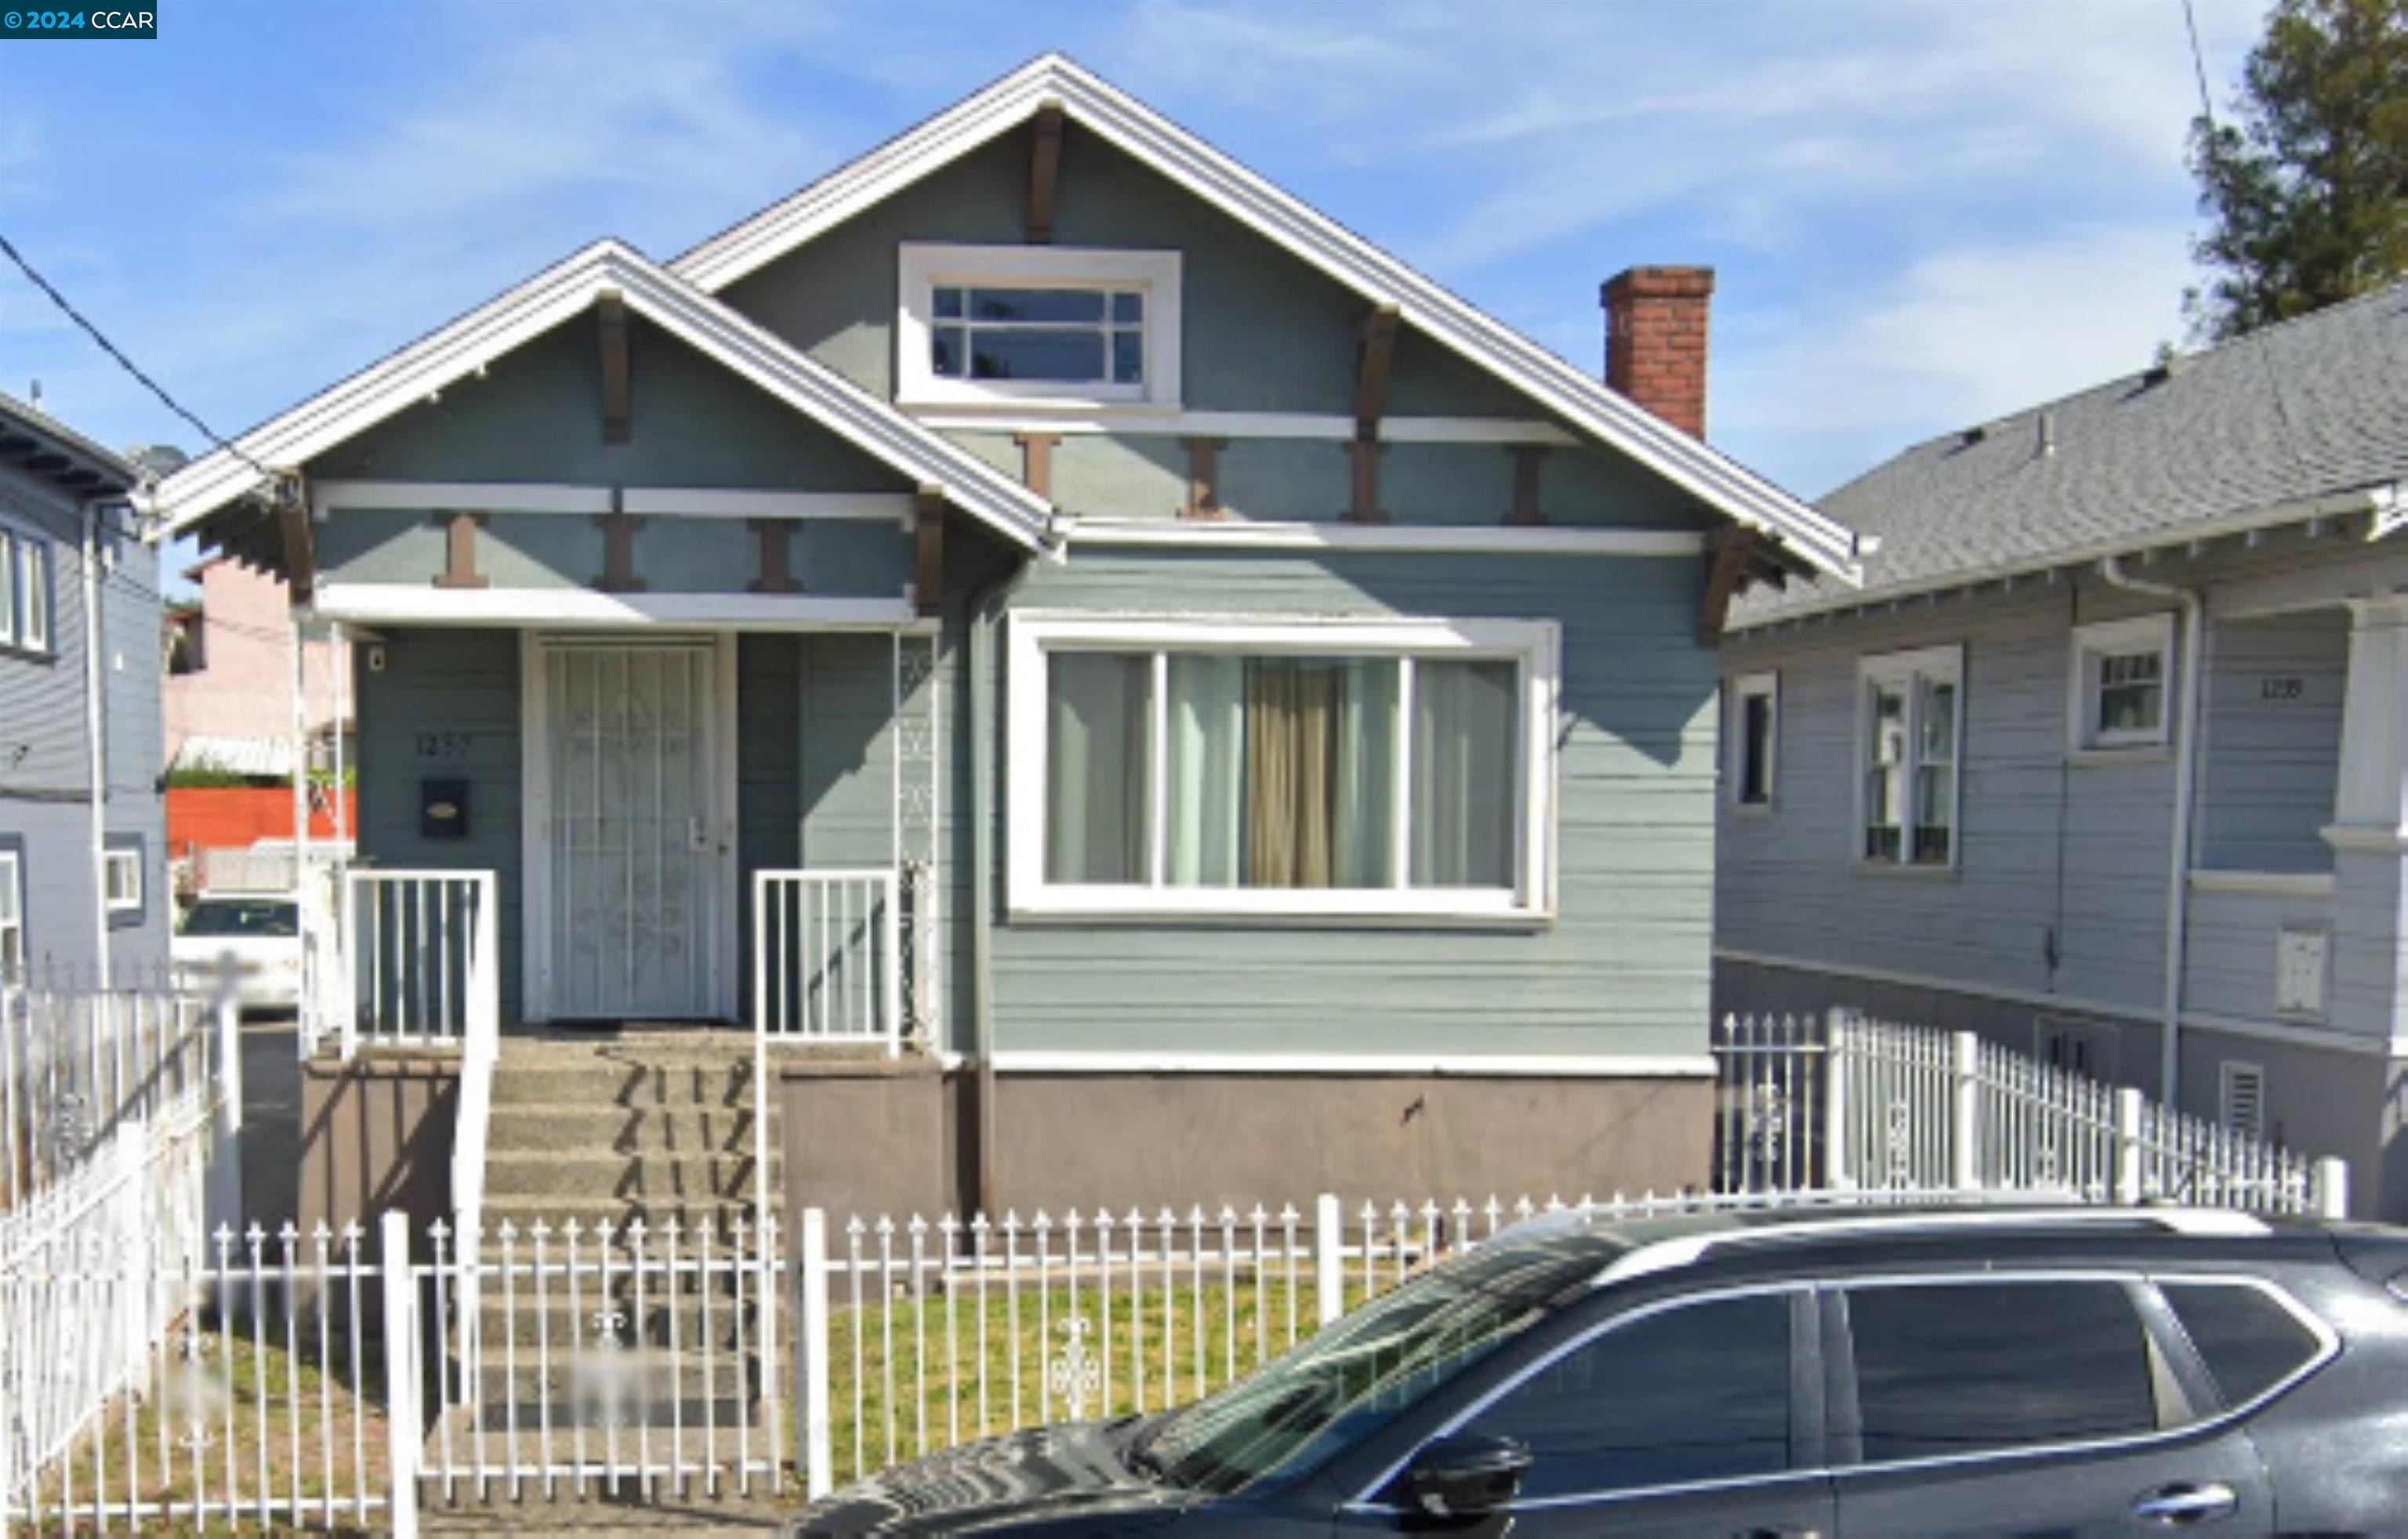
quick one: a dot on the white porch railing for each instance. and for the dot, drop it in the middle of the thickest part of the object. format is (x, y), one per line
(1849, 1101)
(826, 957)
(409, 958)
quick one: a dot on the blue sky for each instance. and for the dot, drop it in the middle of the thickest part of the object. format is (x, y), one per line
(1924, 211)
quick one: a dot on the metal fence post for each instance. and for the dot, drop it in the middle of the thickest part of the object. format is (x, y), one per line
(401, 1371)
(1330, 1257)
(224, 1195)
(2329, 1188)
(2128, 1146)
(814, 1427)
(1836, 1171)
(1965, 1120)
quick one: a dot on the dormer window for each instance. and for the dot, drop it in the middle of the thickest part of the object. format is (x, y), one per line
(1021, 326)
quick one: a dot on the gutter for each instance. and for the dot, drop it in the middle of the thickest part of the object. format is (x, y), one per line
(2194, 684)
(94, 730)
(986, 606)
(2386, 503)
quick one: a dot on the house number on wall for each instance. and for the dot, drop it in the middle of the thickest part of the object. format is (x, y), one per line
(443, 744)
(2291, 688)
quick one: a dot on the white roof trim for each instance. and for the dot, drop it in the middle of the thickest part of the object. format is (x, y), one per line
(558, 293)
(1585, 402)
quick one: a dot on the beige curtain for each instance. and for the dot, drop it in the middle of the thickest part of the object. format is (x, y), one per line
(1291, 773)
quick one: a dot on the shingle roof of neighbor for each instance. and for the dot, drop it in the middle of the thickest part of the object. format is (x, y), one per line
(2305, 410)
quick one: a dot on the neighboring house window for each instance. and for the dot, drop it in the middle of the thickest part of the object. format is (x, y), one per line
(1309, 767)
(33, 596)
(2123, 674)
(1911, 722)
(8, 589)
(987, 325)
(2241, 1099)
(1755, 732)
(121, 880)
(12, 914)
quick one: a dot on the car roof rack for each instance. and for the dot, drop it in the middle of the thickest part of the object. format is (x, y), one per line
(1681, 1250)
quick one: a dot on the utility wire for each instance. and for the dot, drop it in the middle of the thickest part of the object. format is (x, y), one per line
(68, 309)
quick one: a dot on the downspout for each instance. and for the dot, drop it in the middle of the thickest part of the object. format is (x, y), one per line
(986, 606)
(2194, 684)
(94, 730)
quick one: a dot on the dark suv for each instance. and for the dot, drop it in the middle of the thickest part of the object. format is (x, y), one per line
(1968, 1371)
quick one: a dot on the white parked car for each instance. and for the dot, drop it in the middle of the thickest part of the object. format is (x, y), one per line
(255, 938)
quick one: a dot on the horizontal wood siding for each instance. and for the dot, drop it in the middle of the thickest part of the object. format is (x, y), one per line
(446, 705)
(2273, 742)
(2056, 856)
(1624, 967)
(848, 774)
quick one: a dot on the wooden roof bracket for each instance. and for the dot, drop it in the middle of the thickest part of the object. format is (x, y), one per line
(300, 541)
(1375, 350)
(1044, 171)
(618, 386)
(1730, 553)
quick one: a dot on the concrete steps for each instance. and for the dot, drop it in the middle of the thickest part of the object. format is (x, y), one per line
(599, 1132)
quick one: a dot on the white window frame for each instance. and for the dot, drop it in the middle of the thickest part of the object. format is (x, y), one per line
(12, 919)
(7, 588)
(1534, 645)
(925, 268)
(1907, 671)
(114, 862)
(33, 594)
(2092, 645)
(2229, 1076)
(1745, 688)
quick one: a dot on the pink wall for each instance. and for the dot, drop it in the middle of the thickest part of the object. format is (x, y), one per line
(245, 688)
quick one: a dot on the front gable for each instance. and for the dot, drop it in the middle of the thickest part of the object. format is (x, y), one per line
(1276, 299)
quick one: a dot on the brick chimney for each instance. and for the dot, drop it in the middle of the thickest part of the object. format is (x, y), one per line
(1655, 341)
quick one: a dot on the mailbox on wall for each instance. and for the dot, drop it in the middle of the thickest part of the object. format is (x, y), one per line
(443, 809)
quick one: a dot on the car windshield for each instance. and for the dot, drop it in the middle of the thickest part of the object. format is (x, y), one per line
(1365, 1369)
(264, 916)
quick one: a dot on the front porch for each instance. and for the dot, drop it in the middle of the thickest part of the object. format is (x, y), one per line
(586, 828)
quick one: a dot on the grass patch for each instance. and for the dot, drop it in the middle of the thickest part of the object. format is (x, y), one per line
(215, 1395)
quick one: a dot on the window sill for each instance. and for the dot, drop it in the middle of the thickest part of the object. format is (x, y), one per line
(28, 654)
(1751, 810)
(976, 402)
(1231, 906)
(1892, 870)
(2104, 754)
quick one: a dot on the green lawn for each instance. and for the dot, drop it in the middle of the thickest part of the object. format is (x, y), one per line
(914, 1365)
(170, 1465)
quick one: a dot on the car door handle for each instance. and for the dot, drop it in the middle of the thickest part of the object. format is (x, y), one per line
(2174, 1506)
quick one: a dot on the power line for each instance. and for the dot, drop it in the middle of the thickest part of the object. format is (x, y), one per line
(2198, 72)
(68, 309)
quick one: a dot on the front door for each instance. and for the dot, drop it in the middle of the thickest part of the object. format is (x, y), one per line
(630, 890)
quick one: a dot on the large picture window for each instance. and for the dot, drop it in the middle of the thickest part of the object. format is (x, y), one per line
(1910, 720)
(1338, 768)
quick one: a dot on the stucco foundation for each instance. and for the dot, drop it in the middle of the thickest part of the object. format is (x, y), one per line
(866, 1140)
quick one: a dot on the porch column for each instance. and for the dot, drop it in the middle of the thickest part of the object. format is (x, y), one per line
(2369, 832)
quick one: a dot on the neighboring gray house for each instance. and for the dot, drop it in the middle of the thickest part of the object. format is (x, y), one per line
(1274, 690)
(83, 832)
(2105, 758)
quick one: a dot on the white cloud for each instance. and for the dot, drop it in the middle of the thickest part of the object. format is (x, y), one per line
(1963, 334)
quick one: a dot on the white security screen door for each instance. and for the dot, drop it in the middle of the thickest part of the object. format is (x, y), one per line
(636, 831)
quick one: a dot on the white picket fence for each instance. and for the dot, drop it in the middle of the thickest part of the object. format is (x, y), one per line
(1845, 1102)
(119, 1114)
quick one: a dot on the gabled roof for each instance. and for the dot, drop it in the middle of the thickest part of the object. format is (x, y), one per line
(2297, 420)
(1819, 543)
(556, 294)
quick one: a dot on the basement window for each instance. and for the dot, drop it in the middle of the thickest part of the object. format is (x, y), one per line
(12, 915)
(1016, 326)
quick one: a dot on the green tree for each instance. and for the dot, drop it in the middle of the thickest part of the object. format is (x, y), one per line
(2307, 191)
